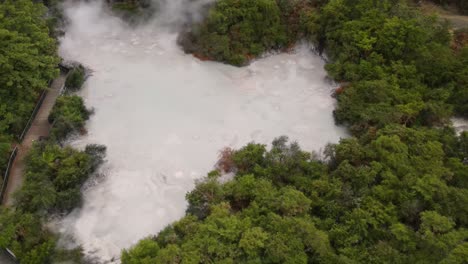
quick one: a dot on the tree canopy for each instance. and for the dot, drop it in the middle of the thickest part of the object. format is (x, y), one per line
(28, 60)
(53, 174)
(52, 185)
(399, 198)
(235, 31)
(68, 115)
(398, 62)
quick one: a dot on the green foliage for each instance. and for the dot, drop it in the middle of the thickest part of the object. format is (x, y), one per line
(68, 115)
(460, 93)
(55, 18)
(145, 252)
(5, 148)
(28, 61)
(75, 78)
(395, 194)
(237, 30)
(24, 235)
(54, 176)
(399, 62)
(395, 198)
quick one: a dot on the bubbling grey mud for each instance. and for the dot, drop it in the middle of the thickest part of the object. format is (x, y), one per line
(164, 117)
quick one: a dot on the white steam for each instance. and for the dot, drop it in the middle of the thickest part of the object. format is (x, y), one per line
(165, 115)
(460, 124)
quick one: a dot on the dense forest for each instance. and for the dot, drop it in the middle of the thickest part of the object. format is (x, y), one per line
(394, 192)
(54, 174)
(28, 59)
(397, 199)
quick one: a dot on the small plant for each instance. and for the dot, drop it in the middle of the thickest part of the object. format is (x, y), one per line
(76, 78)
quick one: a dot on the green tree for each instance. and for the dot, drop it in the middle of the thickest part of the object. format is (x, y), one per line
(76, 78)
(28, 61)
(235, 31)
(68, 115)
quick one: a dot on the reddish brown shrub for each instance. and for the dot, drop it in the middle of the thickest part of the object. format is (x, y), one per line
(225, 162)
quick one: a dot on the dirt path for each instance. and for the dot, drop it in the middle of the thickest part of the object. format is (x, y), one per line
(40, 127)
(458, 21)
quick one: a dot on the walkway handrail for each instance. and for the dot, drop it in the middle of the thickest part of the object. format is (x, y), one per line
(33, 115)
(10, 255)
(6, 176)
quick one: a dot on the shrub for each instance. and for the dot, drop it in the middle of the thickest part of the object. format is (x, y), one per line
(5, 148)
(68, 115)
(28, 61)
(237, 30)
(54, 176)
(225, 160)
(75, 78)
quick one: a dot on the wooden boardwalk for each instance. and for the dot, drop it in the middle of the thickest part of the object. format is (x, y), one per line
(40, 127)
(5, 258)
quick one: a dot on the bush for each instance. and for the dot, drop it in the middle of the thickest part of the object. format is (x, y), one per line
(75, 78)
(5, 148)
(225, 162)
(236, 31)
(22, 233)
(69, 115)
(460, 93)
(29, 61)
(53, 179)
(54, 176)
(399, 64)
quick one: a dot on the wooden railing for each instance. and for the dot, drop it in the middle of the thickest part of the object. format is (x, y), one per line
(33, 115)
